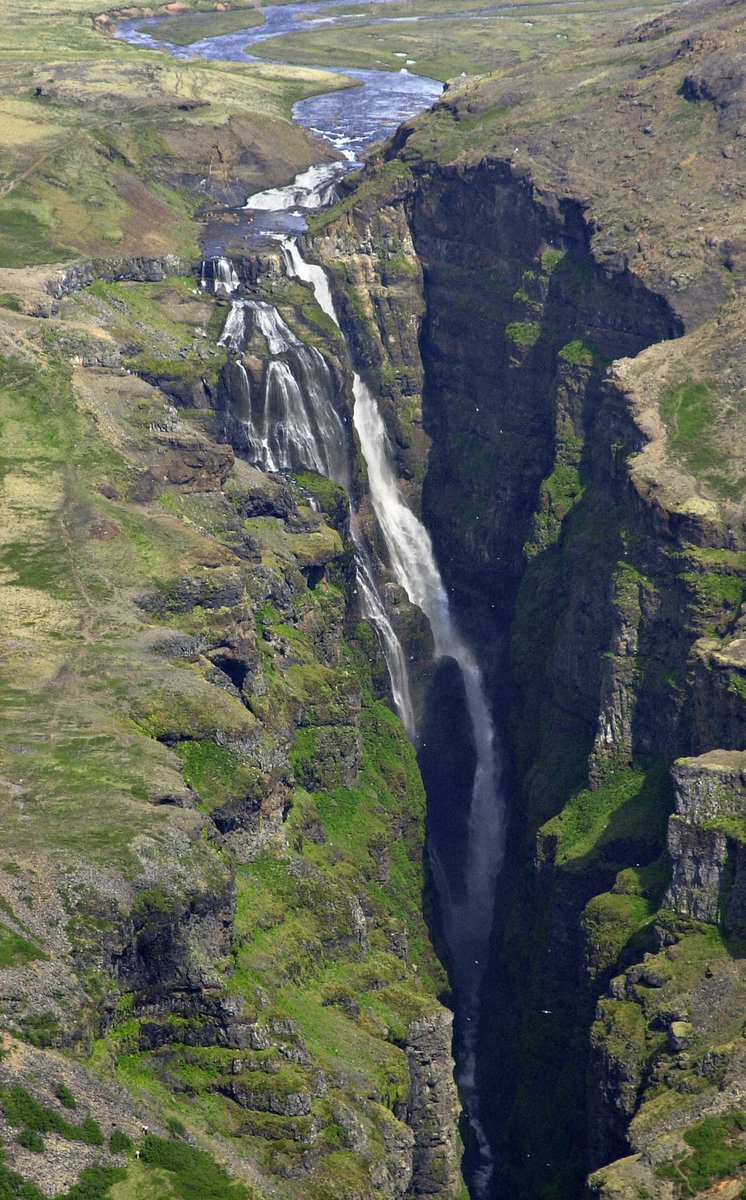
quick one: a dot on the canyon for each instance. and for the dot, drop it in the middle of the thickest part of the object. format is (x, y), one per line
(373, 643)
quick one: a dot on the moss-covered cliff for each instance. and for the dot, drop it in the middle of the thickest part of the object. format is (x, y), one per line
(212, 876)
(582, 394)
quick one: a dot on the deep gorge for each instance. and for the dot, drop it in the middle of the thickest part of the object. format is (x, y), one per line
(244, 952)
(556, 574)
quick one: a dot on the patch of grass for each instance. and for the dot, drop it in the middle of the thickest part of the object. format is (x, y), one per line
(22, 1109)
(551, 259)
(632, 805)
(195, 1175)
(27, 239)
(689, 411)
(192, 27)
(120, 1142)
(718, 1152)
(328, 494)
(577, 354)
(16, 951)
(524, 334)
(559, 494)
(65, 1097)
(218, 773)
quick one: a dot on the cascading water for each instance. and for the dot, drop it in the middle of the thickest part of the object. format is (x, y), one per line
(294, 425)
(291, 423)
(466, 919)
(221, 273)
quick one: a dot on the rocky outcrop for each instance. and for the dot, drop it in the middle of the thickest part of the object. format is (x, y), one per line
(136, 270)
(429, 1110)
(706, 843)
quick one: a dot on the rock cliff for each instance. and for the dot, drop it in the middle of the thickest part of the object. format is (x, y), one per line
(212, 886)
(570, 430)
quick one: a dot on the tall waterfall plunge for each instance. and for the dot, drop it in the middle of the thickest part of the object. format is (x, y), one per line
(293, 424)
(467, 918)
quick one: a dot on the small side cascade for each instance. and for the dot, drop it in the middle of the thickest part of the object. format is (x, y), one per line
(291, 423)
(220, 275)
(467, 920)
(295, 424)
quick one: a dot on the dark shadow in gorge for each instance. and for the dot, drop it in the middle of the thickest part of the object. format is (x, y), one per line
(447, 760)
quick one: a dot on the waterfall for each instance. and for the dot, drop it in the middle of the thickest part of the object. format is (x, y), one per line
(312, 188)
(374, 611)
(234, 330)
(466, 921)
(221, 273)
(293, 424)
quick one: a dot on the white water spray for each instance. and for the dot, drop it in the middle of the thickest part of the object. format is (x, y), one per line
(294, 424)
(221, 273)
(467, 920)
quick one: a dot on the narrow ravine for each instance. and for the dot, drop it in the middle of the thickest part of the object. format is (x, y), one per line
(294, 424)
(467, 920)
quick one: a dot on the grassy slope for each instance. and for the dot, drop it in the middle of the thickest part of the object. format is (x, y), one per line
(91, 711)
(98, 141)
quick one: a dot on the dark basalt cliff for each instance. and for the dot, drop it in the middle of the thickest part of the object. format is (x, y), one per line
(542, 386)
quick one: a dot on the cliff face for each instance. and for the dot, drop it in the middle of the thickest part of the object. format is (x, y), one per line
(211, 889)
(585, 498)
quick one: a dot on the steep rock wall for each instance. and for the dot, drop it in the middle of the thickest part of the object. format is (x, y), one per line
(620, 607)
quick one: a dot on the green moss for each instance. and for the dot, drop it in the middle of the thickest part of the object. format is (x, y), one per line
(219, 774)
(620, 1026)
(717, 595)
(612, 923)
(551, 259)
(522, 295)
(65, 1097)
(16, 951)
(577, 354)
(120, 1142)
(524, 334)
(195, 1175)
(31, 1140)
(41, 1029)
(23, 1110)
(330, 496)
(718, 1151)
(689, 412)
(560, 492)
(632, 805)
(11, 301)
